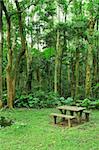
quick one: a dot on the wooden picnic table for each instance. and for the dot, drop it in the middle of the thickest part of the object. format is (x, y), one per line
(73, 109)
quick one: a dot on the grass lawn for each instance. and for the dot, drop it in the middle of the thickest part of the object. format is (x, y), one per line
(33, 130)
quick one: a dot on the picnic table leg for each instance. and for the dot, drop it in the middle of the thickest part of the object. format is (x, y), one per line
(71, 113)
(55, 119)
(69, 123)
(64, 112)
(61, 111)
(79, 116)
(87, 116)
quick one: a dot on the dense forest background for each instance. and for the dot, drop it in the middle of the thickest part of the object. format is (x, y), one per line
(49, 50)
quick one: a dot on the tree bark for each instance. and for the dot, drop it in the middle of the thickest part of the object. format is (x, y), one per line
(77, 74)
(56, 65)
(24, 49)
(88, 82)
(9, 72)
(72, 77)
(11, 67)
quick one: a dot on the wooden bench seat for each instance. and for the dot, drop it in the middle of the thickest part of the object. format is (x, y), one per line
(69, 118)
(87, 113)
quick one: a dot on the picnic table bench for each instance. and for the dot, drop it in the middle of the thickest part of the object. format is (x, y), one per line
(69, 118)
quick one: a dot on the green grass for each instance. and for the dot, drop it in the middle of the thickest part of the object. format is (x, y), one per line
(33, 130)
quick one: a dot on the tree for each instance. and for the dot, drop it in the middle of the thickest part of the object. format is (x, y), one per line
(89, 63)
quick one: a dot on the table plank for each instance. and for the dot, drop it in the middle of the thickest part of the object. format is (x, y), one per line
(71, 108)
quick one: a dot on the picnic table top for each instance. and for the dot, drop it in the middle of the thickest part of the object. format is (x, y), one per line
(71, 108)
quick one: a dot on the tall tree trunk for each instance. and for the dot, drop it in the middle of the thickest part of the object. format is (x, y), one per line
(58, 59)
(95, 59)
(88, 71)
(89, 63)
(77, 74)
(12, 68)
(69, 79)
(23, 42)
(29, 76)
(60, 76)
(1, 51)
(72, 77)
(56, 65)
(9, 72)
(38, 77)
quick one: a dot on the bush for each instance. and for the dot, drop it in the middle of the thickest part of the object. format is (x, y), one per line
(94, 104)
(68, 101)
(86, 103)
(40, 99)
(52, 99)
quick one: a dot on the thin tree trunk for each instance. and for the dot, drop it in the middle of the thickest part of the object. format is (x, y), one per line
(77, 74)
(72, 77)
(56, 65)
(69, 79)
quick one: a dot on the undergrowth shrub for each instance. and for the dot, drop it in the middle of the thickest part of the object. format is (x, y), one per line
(39, 99)
(68, 101)
(88, 103)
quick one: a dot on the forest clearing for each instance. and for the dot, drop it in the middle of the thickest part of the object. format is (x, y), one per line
(49, 69)
(34, 130)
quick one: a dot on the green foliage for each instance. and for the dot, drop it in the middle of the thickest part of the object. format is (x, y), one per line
(48, 52)
(42, 99)
(86, 102)
(96, 89)
(68, 101)
(4, 98)
(40, 30)
(94, 104)
(39, 99)
(52, 99)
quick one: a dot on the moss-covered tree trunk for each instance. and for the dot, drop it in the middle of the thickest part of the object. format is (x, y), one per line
(77, 74)
(56, 65)
(72, 77)
(89, 63)
(10, 75)
(96, 62)
(9, 69)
